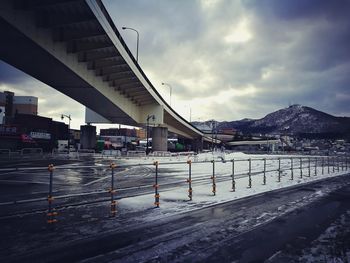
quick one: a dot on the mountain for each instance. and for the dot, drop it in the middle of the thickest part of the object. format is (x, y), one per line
(294, 120)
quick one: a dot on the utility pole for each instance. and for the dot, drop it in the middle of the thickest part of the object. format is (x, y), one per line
(69, 118)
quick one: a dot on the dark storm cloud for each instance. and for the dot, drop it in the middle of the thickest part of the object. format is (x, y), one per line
(300, 9)
(310, 41)
(10, 74)
(231, 59)
(320, 30)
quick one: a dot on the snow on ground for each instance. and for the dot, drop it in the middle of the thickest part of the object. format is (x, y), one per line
(136, 210)
(175, 199)
(332, 246)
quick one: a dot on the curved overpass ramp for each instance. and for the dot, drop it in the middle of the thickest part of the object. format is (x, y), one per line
(74, 47)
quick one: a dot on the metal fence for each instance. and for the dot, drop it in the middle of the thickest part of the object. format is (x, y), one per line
(292, 168)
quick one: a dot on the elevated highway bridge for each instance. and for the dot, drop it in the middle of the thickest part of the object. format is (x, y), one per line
(74, 47)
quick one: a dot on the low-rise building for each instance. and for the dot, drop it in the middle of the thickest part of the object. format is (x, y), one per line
(10, 105)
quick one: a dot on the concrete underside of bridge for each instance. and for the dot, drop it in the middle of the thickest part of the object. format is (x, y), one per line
(21, 52)
(74, 47)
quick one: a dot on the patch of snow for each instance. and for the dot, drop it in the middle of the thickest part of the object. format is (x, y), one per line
(175, 200)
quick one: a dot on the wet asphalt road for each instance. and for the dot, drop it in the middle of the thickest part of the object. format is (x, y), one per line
(293, 231)
(22, 186)
(247, 230)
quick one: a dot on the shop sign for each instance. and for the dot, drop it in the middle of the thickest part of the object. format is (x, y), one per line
(40, 135)
(5, 129)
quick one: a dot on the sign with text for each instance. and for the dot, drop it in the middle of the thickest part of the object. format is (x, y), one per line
(8, 130)
(40, 135)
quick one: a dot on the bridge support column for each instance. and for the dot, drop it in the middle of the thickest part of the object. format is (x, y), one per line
(159, 139)
(88, 137)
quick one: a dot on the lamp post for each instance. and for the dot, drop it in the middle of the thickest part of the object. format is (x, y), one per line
(170, 89)
(69, 118)
(137, 43)
(148, 118)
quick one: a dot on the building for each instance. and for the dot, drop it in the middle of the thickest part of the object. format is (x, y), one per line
(32, 131)
(119, 138)
(118, 132)
(21, 127)
(228, 131)
(74, 137)
(10, 105)
(141, 134)
(25, 105)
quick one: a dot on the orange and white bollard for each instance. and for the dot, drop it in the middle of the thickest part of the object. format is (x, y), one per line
(249, 173)
(189, 180)
(113, 192)
(213, 179)
(51, 213)
(233, 176)
(156, 186)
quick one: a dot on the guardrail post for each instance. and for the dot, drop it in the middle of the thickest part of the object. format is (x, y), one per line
(112, 191)
(213, 178)
(156, 186)
(328, 164)
(233, 176)
(189, 180)
(333, 164)
(342, 164)
(51, 213)
(291, 169)
(301, 167)
(337, 163)
(309, 166)
(250, 173)
(264, 178)
(315, 166)
(322, 165)
(279, 169)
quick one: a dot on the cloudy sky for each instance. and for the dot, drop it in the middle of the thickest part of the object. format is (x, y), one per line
(228, 59)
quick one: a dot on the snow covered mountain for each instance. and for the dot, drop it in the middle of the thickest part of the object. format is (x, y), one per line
(295, 119)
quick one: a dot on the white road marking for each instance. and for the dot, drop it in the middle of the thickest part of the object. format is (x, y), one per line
(105, 177)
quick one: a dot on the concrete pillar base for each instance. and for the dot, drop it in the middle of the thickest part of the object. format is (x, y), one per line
(88, 137)
(160, 139)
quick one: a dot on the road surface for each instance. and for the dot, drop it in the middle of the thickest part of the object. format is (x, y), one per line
(277, 226)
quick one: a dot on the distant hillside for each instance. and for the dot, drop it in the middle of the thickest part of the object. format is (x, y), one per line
(294, 120)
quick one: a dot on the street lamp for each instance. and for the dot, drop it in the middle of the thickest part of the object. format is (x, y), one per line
(69, 118)
(137, 43)
(148, 118)
(170, 89)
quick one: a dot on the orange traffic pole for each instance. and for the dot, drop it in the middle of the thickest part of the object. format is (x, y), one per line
(156, 186)
(51, 214)
(189, 180)
(112, 192)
